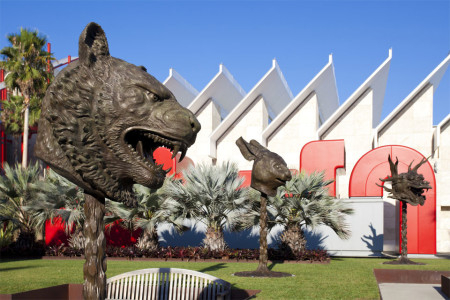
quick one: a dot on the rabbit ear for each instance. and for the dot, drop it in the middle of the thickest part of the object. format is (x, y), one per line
(246, 149)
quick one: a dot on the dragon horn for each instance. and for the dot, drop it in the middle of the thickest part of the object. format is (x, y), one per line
(419, 164)
(393, 166)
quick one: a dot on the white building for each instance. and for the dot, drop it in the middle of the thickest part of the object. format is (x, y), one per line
(286, 124)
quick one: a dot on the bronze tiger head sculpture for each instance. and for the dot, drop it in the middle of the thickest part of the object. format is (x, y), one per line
(102, 118)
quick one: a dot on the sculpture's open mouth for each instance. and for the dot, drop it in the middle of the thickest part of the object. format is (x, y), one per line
(142, 143)
(420, 191)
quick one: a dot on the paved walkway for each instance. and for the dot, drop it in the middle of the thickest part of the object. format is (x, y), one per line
(411, 291)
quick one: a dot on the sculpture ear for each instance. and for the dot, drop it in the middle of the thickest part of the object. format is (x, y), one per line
(92, 44)
(245, 149)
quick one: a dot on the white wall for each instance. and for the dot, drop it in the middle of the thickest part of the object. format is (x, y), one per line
(249, 125)
(413, 125)
(443, 191)
(209, 118)
(355, 127)
(366, 225)
(297, 130)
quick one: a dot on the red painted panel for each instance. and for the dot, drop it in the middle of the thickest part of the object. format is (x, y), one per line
(247, 175)
(369, 168)
(163, 156)
(323, 156)
(421, 219)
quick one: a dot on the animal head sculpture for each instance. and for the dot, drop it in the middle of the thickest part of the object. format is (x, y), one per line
(102, 118)
(408, 187)
(269, 169)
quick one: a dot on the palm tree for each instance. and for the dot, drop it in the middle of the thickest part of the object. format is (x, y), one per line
(12, 116)
(15, 193)
(211, 195)
(303, 202)
(26, 64)
(149, 213)
(56, 197)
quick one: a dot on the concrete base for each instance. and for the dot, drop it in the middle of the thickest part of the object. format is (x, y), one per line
(411, 291)
(411, 284)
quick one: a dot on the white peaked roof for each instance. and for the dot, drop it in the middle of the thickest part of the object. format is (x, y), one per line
(183, 90)
(324, 86)
(377, 82)
(433, 78)
(275, 92)
(223, 89)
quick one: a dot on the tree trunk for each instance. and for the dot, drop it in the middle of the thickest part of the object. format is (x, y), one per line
(263, 255)
(95, 244)
(214, 239)
(25, 135)
(148, 240)
(292, 239)
(404, 252)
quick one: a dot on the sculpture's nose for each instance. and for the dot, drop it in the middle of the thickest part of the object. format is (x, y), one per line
(195, 124)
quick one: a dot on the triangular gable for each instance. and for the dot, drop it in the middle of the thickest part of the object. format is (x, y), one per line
(276, 94)
(223, 89)
(183, 90)
(324, 86)
(377, 83)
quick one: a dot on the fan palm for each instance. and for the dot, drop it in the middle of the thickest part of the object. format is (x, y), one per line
(15, 193)
(303, 202)
(56, 197)
(26, 64)
(210, 195)
(147, 215)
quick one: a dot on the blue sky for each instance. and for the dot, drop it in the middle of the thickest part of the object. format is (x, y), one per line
(194, 37)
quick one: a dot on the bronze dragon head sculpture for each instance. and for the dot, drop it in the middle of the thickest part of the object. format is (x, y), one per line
(102, 118)
(408, 187)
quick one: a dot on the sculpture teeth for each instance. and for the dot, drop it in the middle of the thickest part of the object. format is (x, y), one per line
(176, 148)
(183, 154)
(140, 148)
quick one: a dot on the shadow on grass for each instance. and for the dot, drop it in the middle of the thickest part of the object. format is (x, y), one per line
(214, 267)
(336, 258)
(16, 268)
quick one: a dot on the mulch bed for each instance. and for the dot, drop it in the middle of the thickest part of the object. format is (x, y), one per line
(402, 261)
(224, 260)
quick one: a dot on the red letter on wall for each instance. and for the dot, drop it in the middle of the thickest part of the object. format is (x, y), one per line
(323, 156)
(421, 219)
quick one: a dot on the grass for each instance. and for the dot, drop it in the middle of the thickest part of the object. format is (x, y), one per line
(343, 278)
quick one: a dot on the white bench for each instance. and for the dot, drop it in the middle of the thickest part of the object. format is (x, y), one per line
(167, 283)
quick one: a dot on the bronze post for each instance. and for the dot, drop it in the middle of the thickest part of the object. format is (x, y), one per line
(94, 269)
(263, 255)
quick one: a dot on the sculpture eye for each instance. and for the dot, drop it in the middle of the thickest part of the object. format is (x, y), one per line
(153, 97)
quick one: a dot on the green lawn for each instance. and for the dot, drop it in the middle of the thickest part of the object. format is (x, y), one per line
(343, 278)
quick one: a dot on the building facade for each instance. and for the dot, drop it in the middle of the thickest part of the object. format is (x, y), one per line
(350, 142)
